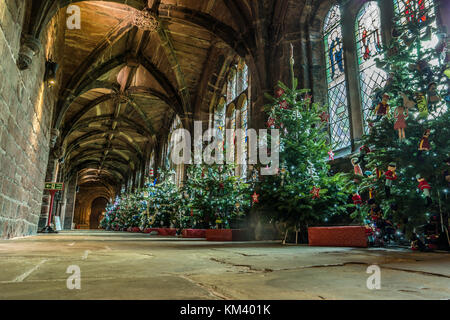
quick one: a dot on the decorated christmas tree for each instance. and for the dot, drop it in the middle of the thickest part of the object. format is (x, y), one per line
(303, 192)
(159, 201)
(406, 149)
(213, 196)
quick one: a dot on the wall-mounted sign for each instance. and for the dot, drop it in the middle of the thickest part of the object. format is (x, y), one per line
(54, 186)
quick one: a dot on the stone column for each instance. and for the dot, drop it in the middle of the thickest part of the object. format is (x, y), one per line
(348, 12)
(50, 176)
(386, 16)
(71, 193)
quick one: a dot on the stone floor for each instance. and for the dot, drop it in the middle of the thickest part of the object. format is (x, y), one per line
(137, 266)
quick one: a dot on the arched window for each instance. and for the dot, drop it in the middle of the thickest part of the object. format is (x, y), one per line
(244, 142)
(369, 47)
(232, 113)
(337, 85)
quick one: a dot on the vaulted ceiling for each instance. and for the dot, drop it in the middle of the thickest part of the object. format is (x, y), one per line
(122, 82)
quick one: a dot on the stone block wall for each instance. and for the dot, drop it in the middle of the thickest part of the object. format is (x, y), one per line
(25, 120)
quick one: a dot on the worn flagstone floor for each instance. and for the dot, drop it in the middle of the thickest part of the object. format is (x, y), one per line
(118, 265)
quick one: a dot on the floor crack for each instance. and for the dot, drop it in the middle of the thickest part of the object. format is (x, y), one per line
(250, 267)
(210, 290)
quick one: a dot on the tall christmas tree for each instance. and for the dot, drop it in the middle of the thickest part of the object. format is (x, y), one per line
(407, 147)
(303, 192)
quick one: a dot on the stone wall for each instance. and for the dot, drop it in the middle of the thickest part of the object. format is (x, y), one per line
(25, 121)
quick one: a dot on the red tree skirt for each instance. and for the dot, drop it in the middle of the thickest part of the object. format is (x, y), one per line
(350, 236)
(162, 231)
(226, 235)
(166, 231)
(194, 233)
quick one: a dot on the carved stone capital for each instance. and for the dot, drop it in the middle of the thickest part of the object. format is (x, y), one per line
(29, 48)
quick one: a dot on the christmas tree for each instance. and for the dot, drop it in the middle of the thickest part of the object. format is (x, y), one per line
(213, 196)
(303, 192)
(406, 148)
(159, 201)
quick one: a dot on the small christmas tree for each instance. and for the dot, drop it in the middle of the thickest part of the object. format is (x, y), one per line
(409, 132)
(304, 192)
(214, 196)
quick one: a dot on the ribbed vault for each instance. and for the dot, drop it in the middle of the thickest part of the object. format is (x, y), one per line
(122, 84)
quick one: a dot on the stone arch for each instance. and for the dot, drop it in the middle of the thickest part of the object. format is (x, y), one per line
(98, 207)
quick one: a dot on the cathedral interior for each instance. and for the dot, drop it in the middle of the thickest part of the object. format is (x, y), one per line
(92, 91)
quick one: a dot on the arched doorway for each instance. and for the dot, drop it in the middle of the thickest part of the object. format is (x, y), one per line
(97, 209)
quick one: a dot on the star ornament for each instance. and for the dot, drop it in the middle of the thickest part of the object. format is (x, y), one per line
(279, 92)
(324, 117)
(255, 197)
(308, 98)
(270, 122)
(331, 155)
(284, 104)
(315, 192)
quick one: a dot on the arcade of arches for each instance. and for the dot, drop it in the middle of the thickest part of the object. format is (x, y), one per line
(136, 69)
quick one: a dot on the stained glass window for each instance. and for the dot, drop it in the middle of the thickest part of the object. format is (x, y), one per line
(232, 85)
(235, 106)
(232, 126)
(219, 121)
(244, 142)
(369, 47)
(337, 85)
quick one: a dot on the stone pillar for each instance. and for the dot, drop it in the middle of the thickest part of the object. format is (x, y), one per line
(348, 12)
(50, 176)
(386, 16)
(443, 14)
(71, 193)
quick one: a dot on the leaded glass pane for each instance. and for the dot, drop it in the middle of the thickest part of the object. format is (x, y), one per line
(337, 85)
(369, 47)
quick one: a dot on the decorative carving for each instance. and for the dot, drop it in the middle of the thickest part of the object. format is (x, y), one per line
(145, 20)
(54, 135)
(121, 97)
(29, 48)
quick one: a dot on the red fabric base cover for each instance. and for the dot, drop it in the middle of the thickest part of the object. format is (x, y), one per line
(194, 233)
(135, 229)
(348, 236)
(166, 231)
(148, 230)
(226, 235)
(219, 235)
(162, 231)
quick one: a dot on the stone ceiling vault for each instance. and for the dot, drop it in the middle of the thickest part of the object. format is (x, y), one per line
(121, 84)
